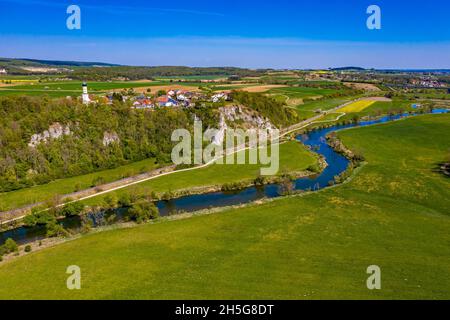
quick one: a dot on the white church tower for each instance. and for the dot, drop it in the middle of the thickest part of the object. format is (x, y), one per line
(85, 95)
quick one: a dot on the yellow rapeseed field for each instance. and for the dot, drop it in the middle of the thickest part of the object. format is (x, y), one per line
(357, 106)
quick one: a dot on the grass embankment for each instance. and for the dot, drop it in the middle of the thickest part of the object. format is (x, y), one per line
(394, 214)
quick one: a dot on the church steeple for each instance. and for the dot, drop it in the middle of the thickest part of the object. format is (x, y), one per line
(85, 95)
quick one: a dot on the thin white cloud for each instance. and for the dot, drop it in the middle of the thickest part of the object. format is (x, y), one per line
(230, 51)
(118, 10)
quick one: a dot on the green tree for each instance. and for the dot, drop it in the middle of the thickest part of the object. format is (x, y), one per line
(143, 211)
(10, 246)
(72, 209)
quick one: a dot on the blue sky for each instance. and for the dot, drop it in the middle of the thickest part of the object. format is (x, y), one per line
(275, 33)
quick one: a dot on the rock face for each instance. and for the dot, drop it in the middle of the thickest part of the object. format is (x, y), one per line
(110, 138)
(248, 119)
(237, 117)
(55, 131)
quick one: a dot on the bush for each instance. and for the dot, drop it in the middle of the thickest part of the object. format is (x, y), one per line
(110, 201)
(38, 218)
(314, 168)
(287, 186)
(98, 181)
(86, 224)
(55, 230)
(125, 200)
(72, 209)
(358, 157)
(234, 186)
(28, 248)
(77, 187)
(10, 246)
(260, 181)
(143, 211)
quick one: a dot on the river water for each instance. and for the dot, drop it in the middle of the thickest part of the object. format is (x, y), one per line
(316, 140)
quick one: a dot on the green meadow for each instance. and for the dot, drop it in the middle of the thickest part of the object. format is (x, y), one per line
(73, 88)
(394, 213)
(194, 78)
(52, 94)
(302, 92)
(76, 85)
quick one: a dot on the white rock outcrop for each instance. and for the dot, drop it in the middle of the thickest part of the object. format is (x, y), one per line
(249, 118)
(55, 131)
(110, 138)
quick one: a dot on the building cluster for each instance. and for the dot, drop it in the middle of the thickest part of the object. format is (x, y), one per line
(427, 82)
(176, 98)
(3, 71)
(173, 98)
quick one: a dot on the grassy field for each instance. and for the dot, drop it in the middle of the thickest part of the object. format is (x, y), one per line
(228, 174)
(15, 199)
(301, 92)
(324, 104)
(73, 88)
(52, 94)
(76, 85)
(394, 214)
(194, 78)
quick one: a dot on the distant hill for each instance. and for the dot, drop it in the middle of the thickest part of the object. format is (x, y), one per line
(392, 70)
(5, 62)
(106, 71)
(348, 69)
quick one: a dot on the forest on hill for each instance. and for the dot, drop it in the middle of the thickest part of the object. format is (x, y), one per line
(103, 71)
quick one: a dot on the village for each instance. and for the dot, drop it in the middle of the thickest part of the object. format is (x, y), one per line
(161, 99)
